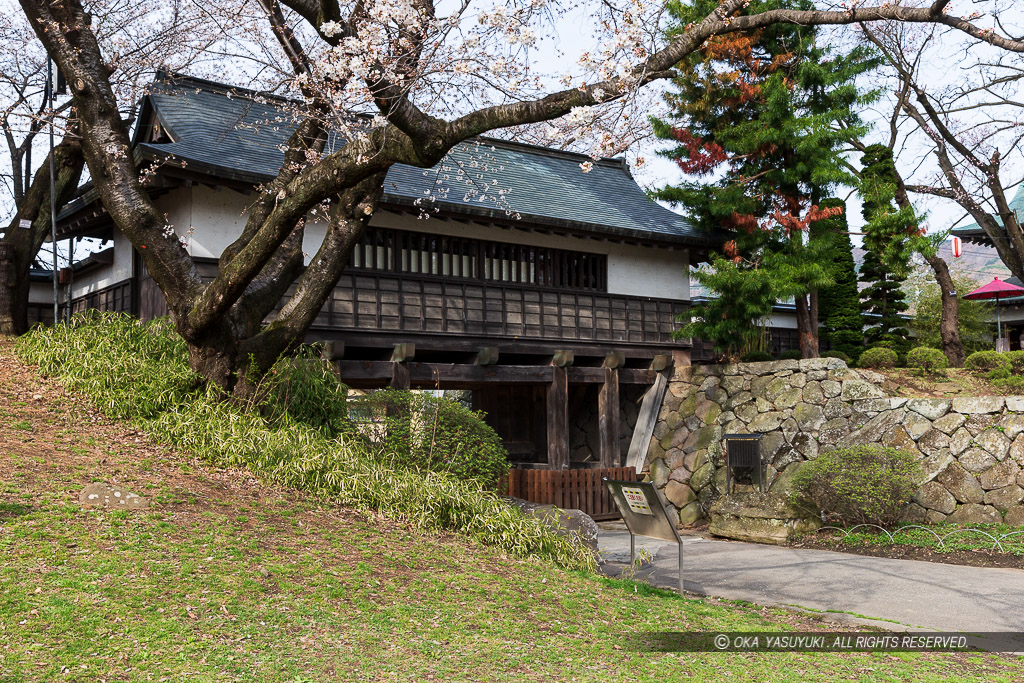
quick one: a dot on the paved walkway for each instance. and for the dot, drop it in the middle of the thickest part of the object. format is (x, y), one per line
(915, 594)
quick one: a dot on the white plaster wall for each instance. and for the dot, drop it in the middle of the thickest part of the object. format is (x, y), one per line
(783, 320)
(210, 219)
(101, 277)
(1012, 314)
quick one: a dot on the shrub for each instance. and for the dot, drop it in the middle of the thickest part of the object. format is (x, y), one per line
(427, 433)
(859, 485)
(791, 354)
(878, 357)
(927, 359)
(1016, 359)
(837, 354)
(756, 357)
(985, 361)
(140, 372)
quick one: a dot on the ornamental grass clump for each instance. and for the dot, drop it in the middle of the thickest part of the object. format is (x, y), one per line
(858, 484)
(139, 372)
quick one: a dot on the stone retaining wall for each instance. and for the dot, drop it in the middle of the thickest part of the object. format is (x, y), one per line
(971, 449)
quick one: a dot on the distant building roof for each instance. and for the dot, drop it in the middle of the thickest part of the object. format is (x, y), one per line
(976, 234)
(235, 134)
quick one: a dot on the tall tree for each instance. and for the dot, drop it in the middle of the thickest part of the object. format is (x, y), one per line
(842, 324)
(433, 79)
(766, 114)
(887, 251)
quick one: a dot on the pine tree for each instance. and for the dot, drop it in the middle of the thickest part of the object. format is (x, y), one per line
(758, 112)
(841, 322)
(887, 255)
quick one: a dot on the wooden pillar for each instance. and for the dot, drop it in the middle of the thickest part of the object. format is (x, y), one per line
(558, 418)
(608, 419)
(399, 376)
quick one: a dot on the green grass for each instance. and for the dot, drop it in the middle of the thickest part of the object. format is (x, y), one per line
(965, 537)
(91, 595)
(139, 372)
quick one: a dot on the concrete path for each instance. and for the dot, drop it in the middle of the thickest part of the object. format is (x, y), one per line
(919, 595)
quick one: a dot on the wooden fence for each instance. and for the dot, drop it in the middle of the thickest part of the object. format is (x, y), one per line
(570, 489)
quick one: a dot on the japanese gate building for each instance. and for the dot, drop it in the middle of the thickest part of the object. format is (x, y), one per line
(555, 304)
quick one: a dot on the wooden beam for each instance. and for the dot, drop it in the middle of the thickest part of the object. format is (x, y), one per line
(645, 423)
(563, 358)
(488, 355)
(431, 374)
(558, 420)
(403, 352)
(608, 419)
(614, 360)
(579, 375)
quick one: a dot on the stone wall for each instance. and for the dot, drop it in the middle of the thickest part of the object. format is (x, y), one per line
(971, 449)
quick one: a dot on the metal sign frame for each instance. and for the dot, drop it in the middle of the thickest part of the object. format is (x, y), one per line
(643, 511)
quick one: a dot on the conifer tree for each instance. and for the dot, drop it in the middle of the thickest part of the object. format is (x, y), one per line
(887, 251)
(841, 322)
(758, 113)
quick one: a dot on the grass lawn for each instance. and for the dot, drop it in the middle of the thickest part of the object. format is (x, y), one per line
(225, 578)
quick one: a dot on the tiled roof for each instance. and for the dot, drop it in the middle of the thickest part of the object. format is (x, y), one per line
(232, 135)
(975, 233)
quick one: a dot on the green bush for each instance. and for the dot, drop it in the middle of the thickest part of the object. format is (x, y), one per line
(139, 372)
(756, 357)
(878, 357)
(791, 354)
(928, 360)
(428, 433)
(985, 361)
(837, 354)
(1016, 359)
(859, 485)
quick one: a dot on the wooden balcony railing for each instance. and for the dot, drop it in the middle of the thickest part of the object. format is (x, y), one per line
(388, 303)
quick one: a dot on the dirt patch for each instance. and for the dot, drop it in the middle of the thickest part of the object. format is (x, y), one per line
(972, 558)
(955, 383)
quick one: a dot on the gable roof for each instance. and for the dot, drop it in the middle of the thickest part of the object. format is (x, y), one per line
(238, 135)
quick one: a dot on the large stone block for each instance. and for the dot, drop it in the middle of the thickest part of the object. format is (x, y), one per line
(973, 513)
(976, 460)
(872, 430)
(1015, 404)
(856, 389)
(949, 423)
(933, 464)
(783, 483)
(690, 514)
(709, 383)
(831, 388)
(767, 422)
(836, 407)
(813, 394)
(806, 445)
(962, 484)
(934, 496)
(788, 398)
(993, 441)
(978, 423)
(999, 475)
(575, 525)
(1005, 498)
(1012, 425)
(979, 404)
(834, 431)
(809, 364)
(659, 472)
(702, 477)
(960, 441)
(759, 518)
(679, 494)
(1014, 516)
(931, 408)
(809, 418)
(733, 384)
(932, 442)
(916, 425)
(897, 437)
(1017, 450)
(738, 399)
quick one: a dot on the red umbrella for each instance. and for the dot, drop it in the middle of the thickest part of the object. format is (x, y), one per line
(996, 289)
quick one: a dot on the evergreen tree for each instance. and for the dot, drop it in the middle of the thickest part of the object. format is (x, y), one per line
(758, 112)
(841, 321)
(887, 251)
